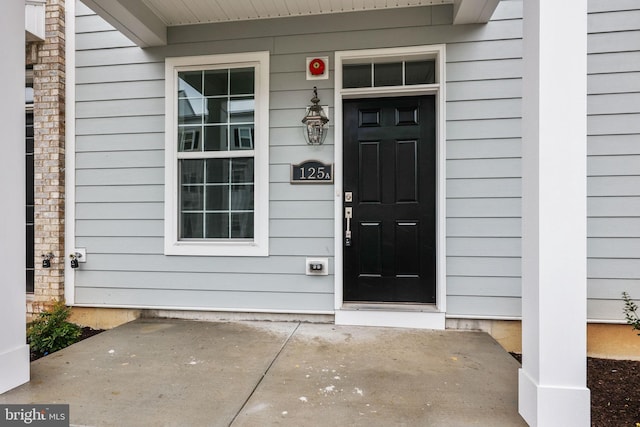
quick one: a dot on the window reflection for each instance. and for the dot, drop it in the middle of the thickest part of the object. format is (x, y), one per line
(211, 105)
(216, 197)
(400, 73)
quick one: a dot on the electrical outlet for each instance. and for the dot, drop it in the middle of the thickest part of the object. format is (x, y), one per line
(82, 257)
(317, 266)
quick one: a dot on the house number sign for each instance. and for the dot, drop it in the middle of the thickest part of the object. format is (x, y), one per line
(312, 172)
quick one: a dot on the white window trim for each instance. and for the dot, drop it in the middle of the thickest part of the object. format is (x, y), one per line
(435, 320)
(70, 151)
(259, 246)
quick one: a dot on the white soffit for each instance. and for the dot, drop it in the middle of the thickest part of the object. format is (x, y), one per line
(187, 12)
(145, 22)
(473, 11)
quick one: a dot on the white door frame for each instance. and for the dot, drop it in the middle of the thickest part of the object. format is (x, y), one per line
(427, 316)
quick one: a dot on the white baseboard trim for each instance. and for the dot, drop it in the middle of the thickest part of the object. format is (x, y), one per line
(14, 368)
(552, 406)
(392, 319)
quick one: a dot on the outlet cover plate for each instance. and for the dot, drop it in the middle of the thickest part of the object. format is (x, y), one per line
(317, 261)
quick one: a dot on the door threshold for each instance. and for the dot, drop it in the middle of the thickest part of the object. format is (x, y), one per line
(417, 316)
(383, 306)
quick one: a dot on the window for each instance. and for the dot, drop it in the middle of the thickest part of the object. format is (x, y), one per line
(29, 182)
(216, 191)
(401, 73)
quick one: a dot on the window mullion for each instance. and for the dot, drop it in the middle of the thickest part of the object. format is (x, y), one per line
(215, 154)
(204, 199)
(230, 188)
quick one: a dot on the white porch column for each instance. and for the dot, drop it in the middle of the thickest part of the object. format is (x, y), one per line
(552, 381)
(14, 352)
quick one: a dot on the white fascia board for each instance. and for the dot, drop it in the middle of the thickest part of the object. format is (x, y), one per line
(34, 11)
(473, 11)
(133, 19)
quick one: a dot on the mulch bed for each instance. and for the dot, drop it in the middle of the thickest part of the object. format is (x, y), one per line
(615, 391)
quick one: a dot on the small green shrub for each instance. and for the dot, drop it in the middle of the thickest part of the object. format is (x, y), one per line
(51, 332)
(630, 312)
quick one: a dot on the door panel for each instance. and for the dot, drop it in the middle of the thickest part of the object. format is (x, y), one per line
(389, 166)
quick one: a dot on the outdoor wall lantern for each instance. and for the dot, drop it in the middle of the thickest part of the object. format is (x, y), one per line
(315, 122)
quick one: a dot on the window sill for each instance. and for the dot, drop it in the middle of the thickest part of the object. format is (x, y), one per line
(235, 249)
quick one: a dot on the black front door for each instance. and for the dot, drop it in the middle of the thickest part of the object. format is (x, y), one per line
(389, 193)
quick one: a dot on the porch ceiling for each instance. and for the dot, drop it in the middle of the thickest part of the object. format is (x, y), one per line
(146, 21)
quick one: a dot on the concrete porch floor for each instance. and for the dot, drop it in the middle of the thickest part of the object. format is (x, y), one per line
(158, 372)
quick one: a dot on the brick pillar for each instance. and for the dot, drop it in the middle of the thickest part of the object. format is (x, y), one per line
(49, 127)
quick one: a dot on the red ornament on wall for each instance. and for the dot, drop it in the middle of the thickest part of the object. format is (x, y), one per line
(316, 67)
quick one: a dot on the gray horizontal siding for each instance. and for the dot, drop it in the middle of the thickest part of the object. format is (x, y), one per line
(614, 124)
(484, 109)
(507, 207)
(97, 39)
(613, 145)
(120, 108)
(121, 176)
(483, 168)
(613, 227)
(204, 299)
(606, 308)
(119, 194)
(101, 74)
(202, 281)
(479, 246)
(120, 142)
(487, 187)
(120, 125)
(602, 165)
(316, 247)
(613, 83)
(627, 41)
(122, 210)
(483, 129)
(613, 206)
(294, 228)
(483, 193)
(613, 164)
(614, 62)
(483, 306)
(138, 89)
(120, 160)
(230, 265)
(484, 149)
(483, 266)
(614, 20)
(483, 227)
(481, 90)
(484, 286)
(596, 6)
